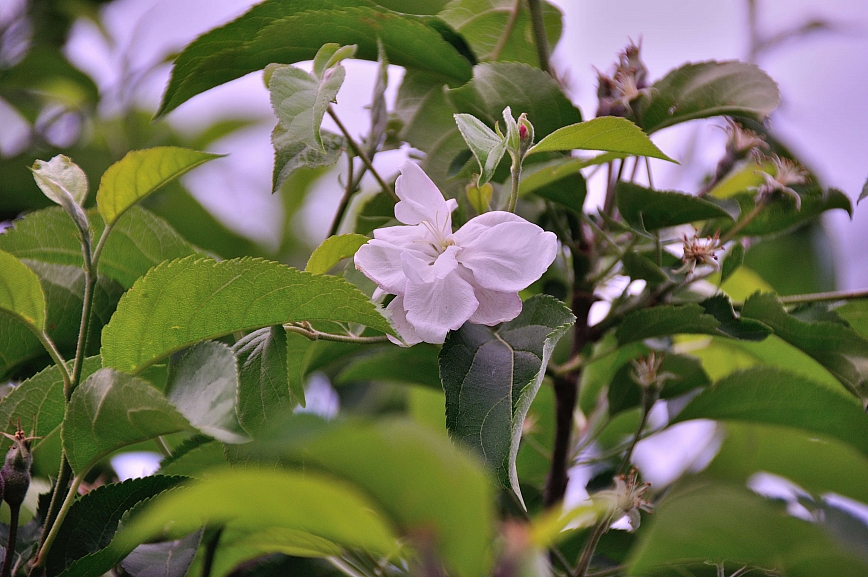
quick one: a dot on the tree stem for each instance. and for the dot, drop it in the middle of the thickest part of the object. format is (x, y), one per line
(345, 200)
(590, 546)
(10, 544)
(539, 34)
(361, 154)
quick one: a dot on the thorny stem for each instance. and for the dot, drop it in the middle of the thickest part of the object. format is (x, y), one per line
(361, 154)
(315, 335)
(539, 34)
(10, 544)
(345, 201)
(507, 32)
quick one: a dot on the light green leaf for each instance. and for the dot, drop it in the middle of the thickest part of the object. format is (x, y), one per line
(776, 397)
(332, 251)
(412, 365)
(709, 89)
(276, 31)
(203, 386)
(140, 173)
(734, 259)
(21, 293)
(486, 145)
(263, 386)
(39, 401)
(538, 175)
(842, 350)
(656, 209)
(607, 133)
(185, 301)
(855, 312)
(523, 88)
(315, 504)
(330, 55)
(61, 180)
(139, 241)
(290, 154)
(18, 345)
(723, 522)
(483, 22)
(111, 410)
(492, 376)
(197, 457)
(92, 521)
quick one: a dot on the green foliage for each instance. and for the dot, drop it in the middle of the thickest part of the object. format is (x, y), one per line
(263, 380)
(607, 133)
(491, 377)
(484, 143)
(332, 251)
(202, 299)
(649, 209)
(20, 293)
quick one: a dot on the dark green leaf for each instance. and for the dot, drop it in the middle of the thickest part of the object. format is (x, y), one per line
(333, 250)
(842, 350)
(18, 345)
(185, 301)
(483, 22)
(734, 259)
(415, 365)
(140, 173)
(300, 351)
(666, 320)
(197, 456)
(166, 559)
(484, 143)
(21, 293)
(203, 386)
(606, 133)
(710, 89)
(92, 520)
(776, 397)
(538, 175)
(781, 214)
(855, 313)
(263, 386)
(722, 522)
(684, 374)
(290, 154)
(111, 410)
(491, 377)
(817, 463)
(745, 329)
(864, 192)
(640, 267)
(656, 209)
(259, 37)
(523, 88)
(319, 506)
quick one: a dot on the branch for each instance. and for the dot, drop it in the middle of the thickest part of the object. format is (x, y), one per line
(361, 154)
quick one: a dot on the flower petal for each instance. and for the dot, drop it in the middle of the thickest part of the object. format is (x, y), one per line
(381, 262)
(419, 269)
(421, 199)
(399, 321)
(479, 224)
(438, 307)
(508, 256)
(495, 307)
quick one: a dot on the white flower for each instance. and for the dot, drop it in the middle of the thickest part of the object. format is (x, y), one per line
(442, 279)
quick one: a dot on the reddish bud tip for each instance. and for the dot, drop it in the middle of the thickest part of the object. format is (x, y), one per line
(522, 131)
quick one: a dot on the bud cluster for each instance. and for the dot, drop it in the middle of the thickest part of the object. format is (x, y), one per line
(700, 251)
(787, 172)
(619, 93)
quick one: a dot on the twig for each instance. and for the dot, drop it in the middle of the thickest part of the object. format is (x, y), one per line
(10, 544)
(315, 335)
(590, 546)
(345, 201)
(361, 154)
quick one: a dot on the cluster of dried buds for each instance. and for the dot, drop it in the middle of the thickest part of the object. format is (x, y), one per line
(787, 172)
(627, 498)
(700, 251)
(617, 94)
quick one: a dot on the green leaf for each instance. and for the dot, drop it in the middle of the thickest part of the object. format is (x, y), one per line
(709, 89)
(734, 259)
(412, 365)
(61, 180)
(111, 410)
(855, 312)
(842, 350)
(722, 522)
(484, 143)
(332, 251)
(666, 320)
(139, 241)
(300, 101)
(540, 174)
(185, 301)
(640, 267)
(260, 37)
(776, 397)
(290, 154)
(245, 498)
(263, 380)
(780, 214)
(197, 457)
(21, 293)
(203, 386)
(483, 22)
(140, 173)
(299, 354)
(656, 209)
(742, 328)
(415, 475)
(39, 401)
(165, 559)
(92, 520)
(864, 192)
(817, 463)
(607, 133)
(496, 85)
(685, 374)
(18, 345)
(491, 377)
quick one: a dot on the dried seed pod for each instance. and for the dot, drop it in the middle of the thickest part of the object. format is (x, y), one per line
(15, 474)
